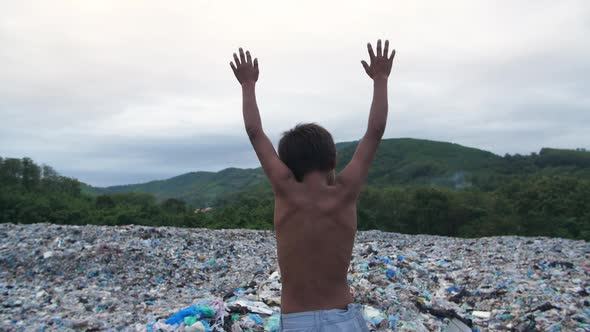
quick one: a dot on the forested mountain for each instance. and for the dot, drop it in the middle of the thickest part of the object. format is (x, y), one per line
(403, 161)
(412, 161)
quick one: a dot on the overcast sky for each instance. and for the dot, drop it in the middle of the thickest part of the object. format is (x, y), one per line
(116, 92)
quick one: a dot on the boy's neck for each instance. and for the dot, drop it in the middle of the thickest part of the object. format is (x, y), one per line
(317, 178)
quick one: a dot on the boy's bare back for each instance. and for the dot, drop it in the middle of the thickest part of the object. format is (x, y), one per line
(315, 226)
(315, 211)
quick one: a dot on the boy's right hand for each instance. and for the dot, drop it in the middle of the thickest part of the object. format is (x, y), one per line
(380, 64)
(245, 70)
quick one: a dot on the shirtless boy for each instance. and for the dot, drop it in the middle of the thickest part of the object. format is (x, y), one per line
(315, 209)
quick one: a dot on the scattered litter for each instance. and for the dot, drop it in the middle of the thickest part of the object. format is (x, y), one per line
(482, 314)
(139, 278)
(273, 323)
(373, 316)
(456, 325)
(253, 306)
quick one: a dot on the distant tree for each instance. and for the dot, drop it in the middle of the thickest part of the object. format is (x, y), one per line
(173, 205)
(104, 202)
(50, 179)
(70, 186)
(31, 174)
(11, 172)
(139, 199)
(49, 173)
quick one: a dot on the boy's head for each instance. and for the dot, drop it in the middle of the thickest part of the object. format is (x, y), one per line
(307, 147)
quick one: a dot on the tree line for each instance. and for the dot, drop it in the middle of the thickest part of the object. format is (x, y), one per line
(534, 205)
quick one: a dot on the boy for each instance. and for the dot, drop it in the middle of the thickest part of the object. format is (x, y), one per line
(315, 210)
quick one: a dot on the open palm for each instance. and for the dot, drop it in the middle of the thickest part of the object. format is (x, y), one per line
(244, 68)
(380, 66)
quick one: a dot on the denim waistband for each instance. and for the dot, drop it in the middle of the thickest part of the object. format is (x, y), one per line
(310, 319)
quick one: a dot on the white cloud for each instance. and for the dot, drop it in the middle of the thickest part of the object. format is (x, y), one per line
(83, 83)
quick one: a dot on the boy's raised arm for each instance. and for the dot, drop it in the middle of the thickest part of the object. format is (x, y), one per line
(246, 72)
(356, 171)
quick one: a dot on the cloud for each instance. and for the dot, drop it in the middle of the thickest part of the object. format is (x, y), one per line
(131, 160)
(116, 92)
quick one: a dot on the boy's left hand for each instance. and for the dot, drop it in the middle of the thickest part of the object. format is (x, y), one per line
(244, 69)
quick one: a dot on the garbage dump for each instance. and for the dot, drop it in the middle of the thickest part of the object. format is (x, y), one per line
(135, 278)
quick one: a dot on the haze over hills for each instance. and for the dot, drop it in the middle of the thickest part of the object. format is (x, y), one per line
(403, 161)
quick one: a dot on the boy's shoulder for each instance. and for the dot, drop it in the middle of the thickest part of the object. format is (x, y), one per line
(335, 193)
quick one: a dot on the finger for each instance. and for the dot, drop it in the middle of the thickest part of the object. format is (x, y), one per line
(256, 63)
(366, 66)
(242, 57)
(233, 68)
(236, 60)
(248, 58)
(371, 54)
(392, 56)
(379, 53)
(386, 49)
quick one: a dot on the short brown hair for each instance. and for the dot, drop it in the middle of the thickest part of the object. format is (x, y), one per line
(307, 147)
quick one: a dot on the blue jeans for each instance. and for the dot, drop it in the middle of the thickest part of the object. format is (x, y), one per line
(334, 320)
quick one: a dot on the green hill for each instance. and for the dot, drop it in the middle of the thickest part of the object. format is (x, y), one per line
(402, 161)
(407, 161)
(196, 188)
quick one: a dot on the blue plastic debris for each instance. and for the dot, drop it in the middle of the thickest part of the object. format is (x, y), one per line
(392, 319)
(196, 310)
(385, 260)
(256, 318)
(453, 289)
(178, 317)
(206, 325)
(390, 273)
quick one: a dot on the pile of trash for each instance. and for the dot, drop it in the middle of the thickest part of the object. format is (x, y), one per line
(137, 278)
